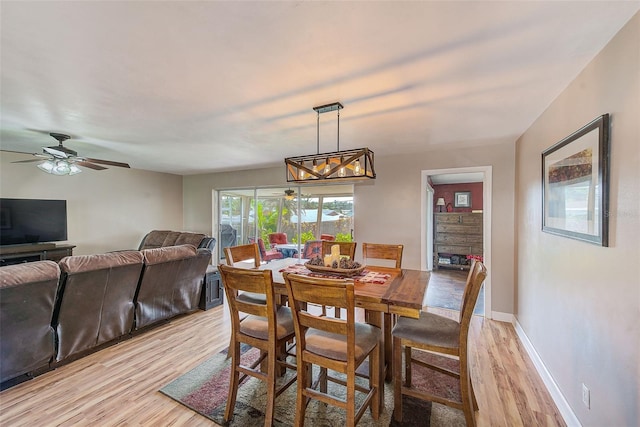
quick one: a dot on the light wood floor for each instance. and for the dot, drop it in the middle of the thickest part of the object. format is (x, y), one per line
(119, 385)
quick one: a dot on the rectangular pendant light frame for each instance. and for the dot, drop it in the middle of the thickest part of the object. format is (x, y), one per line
(300, 168)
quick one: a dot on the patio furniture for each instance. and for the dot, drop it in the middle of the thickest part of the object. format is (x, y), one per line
(267, 255)
(278, 239)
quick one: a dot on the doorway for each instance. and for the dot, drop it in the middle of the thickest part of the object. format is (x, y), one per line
(481, 174)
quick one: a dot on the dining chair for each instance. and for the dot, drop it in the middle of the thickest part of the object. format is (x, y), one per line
(245, 254)
(438, 334)
(391, 255)
(340, 345)
(346, 248)
(384, 255)
(328, 237)
(242, 253)
(268, 327)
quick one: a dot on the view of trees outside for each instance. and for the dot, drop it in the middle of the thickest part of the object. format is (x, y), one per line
(246, 214)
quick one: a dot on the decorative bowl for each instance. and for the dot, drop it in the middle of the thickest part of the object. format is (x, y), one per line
(346, 272)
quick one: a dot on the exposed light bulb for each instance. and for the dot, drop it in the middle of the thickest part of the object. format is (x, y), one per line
(357, 169)
(327, 167)
(343, 171)
(315, 168)
(301, 173)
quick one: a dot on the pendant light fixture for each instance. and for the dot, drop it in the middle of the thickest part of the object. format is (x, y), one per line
(346, 165)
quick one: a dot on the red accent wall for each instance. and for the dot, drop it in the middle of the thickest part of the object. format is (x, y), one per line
(447, 191)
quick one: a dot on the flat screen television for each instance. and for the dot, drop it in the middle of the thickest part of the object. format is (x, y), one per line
(24, 221)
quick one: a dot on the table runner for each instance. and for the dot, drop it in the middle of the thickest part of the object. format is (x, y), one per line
(365, 276)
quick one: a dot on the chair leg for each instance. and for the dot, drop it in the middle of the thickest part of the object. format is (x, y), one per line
(375, 381)
(387, 326)
(234, 349)
(351, 400)
(271, 388)
(407, 365)
(397, 379)
(466, 393)
(301, 401)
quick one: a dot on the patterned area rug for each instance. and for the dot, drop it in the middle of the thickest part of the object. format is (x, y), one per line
(204, 389)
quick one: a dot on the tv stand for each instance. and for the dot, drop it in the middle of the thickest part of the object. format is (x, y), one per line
(37, 252)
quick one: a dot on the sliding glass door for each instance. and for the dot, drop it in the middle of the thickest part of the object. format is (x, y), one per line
(306, 213)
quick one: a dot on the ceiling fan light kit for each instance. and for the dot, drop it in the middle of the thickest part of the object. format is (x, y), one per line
(346, 165)
(60, 160)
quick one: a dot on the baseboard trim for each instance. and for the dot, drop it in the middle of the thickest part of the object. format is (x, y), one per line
(503, 317)
(558, 398)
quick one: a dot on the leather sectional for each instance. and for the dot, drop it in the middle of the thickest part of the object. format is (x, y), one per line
(52, 314)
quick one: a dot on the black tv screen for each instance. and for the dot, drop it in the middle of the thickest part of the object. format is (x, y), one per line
(32, 221)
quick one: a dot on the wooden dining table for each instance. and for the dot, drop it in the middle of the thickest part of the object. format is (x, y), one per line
(401, 294)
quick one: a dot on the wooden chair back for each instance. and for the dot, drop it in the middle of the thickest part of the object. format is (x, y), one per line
(346, 248)
(238, 280)
(377, 251)
(304, 290)
(477, 274)
(236, 254)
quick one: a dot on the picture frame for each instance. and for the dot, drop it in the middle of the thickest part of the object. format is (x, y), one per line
(575, 184)
(462, 199)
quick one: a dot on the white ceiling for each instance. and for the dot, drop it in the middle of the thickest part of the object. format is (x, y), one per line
(193, 87)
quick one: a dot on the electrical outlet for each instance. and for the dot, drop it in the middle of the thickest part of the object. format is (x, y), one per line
(586, 396)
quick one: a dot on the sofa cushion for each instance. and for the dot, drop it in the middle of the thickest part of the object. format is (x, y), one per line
(169, 253)
(163, 238)
(27, 296)
(81, 263)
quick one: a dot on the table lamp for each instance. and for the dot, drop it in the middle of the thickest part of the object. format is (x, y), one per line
(440, 203)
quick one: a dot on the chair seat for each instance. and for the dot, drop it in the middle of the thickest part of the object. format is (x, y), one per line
(334, 346)
(431, 330)
(258, 327)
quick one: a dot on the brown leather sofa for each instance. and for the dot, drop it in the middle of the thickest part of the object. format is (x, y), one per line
(27, 297)
(164, 238)
(171, 283)
(52, 314)
(95, 301)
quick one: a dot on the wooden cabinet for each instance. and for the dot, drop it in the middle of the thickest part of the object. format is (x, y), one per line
(456, 236)
(38, 252)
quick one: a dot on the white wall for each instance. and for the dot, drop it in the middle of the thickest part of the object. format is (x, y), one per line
(578, 303)
(106, 210)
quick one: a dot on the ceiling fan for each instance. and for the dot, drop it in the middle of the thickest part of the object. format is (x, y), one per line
(60, 160)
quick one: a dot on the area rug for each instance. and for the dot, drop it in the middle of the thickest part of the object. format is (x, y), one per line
(204, 389)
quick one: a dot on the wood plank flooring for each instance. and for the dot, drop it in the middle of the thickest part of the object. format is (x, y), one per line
(119, 385)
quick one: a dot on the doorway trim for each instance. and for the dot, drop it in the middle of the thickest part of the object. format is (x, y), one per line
(426, 231)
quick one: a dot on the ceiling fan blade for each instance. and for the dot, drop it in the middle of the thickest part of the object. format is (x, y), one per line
(28, 161)
(107, 162)
(90, 165)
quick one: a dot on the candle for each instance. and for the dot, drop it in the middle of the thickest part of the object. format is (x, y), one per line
(327, 260)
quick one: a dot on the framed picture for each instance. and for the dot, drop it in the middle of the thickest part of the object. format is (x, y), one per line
(462, 199)
(575, 184)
